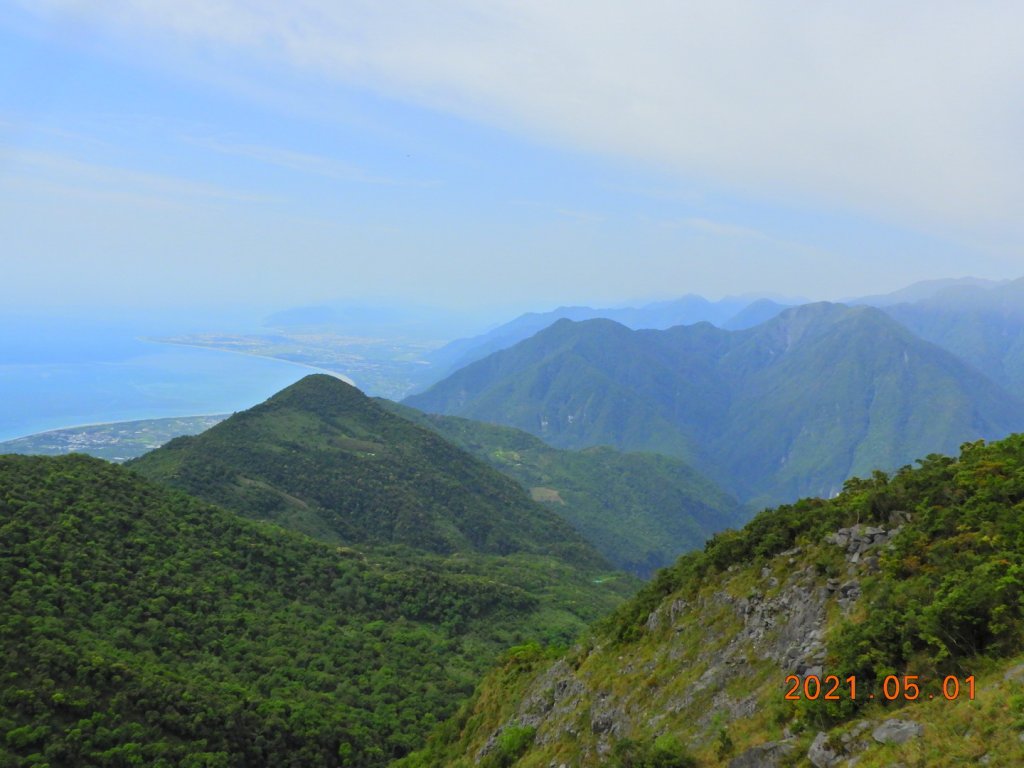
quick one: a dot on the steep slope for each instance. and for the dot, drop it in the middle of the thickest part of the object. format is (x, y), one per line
(641, 510)
(791, 407)
(846, 391)
(981, 324)
(582, 384)
(910, 585)
(322, 458)
(141, 626)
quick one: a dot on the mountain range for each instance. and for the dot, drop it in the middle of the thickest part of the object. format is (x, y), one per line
(791, 407)
(733, 312)
(321, 579)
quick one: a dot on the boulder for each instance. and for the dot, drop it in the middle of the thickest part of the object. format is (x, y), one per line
(894, 731)
(822, 754)
(771, 754)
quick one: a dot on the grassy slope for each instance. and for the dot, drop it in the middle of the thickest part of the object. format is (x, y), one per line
(683, 661)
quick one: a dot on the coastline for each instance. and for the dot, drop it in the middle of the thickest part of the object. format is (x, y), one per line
(327, 371)
(90, 425)
(144, 414)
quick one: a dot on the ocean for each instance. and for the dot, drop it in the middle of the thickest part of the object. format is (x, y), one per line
(49, 381)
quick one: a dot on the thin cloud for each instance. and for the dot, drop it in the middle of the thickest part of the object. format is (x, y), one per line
(909, 113)
(54, 172)
(304, 162)
(727, 230)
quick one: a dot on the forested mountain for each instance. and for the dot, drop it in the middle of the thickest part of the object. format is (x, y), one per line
(981, 324)
(791, 407)
(641, 510)
(322, 458)
(882, 627)
(141, 626)
(734, 312)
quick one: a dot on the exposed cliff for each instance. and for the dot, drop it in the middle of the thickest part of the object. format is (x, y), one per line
(921, 574)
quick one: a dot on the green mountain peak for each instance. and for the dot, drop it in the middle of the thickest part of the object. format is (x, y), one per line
(322, 458)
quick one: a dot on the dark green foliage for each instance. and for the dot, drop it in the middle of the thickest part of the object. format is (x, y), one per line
(141, 626)
(790, 408)
(512, 744)
(322, 458)
(666, 752)
(640, 510)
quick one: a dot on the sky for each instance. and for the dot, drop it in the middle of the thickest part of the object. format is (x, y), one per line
(505, 154)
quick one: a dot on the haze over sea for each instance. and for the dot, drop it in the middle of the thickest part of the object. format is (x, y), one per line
(70, 374)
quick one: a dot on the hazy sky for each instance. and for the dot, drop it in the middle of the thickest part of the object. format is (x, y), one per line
(513, 153)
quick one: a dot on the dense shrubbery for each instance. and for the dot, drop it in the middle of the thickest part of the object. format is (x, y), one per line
(143, 627)
(640, 510)
(666, 752)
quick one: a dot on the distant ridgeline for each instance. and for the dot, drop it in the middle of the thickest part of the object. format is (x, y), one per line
(144, 626)
(884, 626)
(791, 407)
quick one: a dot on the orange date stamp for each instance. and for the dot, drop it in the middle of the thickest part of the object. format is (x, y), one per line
(893, 688)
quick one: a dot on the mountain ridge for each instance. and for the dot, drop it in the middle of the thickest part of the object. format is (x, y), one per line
(791, 407)
(323, 458)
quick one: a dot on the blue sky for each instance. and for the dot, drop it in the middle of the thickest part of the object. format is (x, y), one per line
(499, 155)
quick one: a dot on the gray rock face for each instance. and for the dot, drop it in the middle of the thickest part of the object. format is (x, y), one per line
(554, 696)
(787, 628)
(821, 754)
(859, 540)
(1014, 673)
(897, 731)
(768, 755)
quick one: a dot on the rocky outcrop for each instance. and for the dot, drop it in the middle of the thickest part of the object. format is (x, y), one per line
(894, 731)
(787, 628)
(838, 750)
(859, 541)
(822, 754)
(781, 619)
(769, 755)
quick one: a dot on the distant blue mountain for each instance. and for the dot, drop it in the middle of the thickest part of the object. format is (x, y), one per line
(733, 312)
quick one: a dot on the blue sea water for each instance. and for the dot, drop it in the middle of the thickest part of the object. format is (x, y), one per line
(88, 376)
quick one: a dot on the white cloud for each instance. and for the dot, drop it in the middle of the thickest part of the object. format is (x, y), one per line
(908, 110)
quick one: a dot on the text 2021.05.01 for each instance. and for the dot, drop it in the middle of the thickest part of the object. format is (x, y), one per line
(893, 687)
